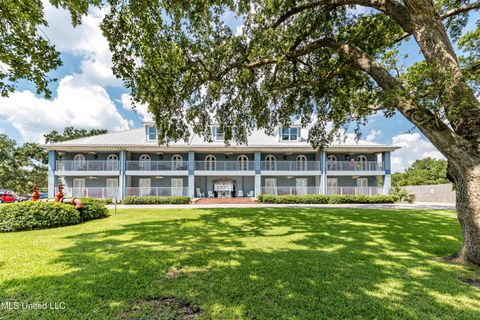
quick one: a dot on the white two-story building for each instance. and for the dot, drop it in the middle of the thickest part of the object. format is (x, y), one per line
(121, 164)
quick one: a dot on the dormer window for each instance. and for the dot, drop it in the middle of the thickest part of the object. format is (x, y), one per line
(290, 134)
(217, 134)
(151, 133)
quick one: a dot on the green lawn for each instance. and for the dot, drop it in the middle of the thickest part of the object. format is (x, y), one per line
(242, 264)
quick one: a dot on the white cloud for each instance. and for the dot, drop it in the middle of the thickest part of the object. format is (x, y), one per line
(142, 109)
(5, 67)
(85, 41)
(413, 147)
(81, 101)
(81, 106)
(373, 135)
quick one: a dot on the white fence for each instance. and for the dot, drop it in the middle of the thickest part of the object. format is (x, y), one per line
(442, 193)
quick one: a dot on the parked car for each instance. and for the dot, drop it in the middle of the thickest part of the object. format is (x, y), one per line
(6, 197)
(20, 198)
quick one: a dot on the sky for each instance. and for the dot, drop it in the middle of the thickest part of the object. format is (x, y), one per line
(87, 94)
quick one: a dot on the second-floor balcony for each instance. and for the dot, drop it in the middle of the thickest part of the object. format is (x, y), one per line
(224, 165)
(87, 165)
(157, 165)
(290, 166)
(355, 166)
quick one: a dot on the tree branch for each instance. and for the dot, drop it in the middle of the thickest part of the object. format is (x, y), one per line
(456, 11)
(448, 14)
(429, 123)
(390, 7)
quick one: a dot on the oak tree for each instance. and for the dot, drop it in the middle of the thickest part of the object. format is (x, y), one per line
(317, 61)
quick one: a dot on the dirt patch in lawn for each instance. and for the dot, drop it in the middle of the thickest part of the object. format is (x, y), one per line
(167, 307)
(472, 282)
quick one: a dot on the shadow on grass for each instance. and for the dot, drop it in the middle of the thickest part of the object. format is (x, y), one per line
(263, 263)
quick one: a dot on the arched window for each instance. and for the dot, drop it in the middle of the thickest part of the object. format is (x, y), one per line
(331, 157)
(210, 162)
(270, 162)
(145, 162)
(145, 157)
(331, 162)
(177, 161)
(112, 157)
(112, 162)
(301, 162)
(363, 162)
(79, 162)
(242, 163)
(362, 158)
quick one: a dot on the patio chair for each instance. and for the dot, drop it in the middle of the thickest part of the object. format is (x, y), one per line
(240, 194)
(250, 194)
(200, 194)
(210, 194)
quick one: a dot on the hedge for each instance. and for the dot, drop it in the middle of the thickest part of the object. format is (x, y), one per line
(104, 201)
(323, 199)
(32, 215)
(94, 209)
(156, 200)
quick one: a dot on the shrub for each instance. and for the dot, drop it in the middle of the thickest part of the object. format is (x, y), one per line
(94, 209)
(156, 200)
(401, 194)
(323, 199)
(36, 215)
(104, 201)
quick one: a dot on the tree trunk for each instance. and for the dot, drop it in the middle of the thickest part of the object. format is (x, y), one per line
(467, 182)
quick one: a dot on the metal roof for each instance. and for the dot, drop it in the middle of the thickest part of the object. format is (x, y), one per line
(137, 139)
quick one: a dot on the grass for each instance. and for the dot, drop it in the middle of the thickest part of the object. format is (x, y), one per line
(259, 263)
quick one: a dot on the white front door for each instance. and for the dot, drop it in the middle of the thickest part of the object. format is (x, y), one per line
(145, 186)
(112, 188)
(177, 187)
(271, 186)
(362, 184)
(332, 186)
(79, 188)
(301, 184)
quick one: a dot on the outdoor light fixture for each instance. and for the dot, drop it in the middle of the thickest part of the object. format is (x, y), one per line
(91, 178)
(289, 177)
(158, 177)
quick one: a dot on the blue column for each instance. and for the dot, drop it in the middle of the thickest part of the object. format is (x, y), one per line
(323, 171)
(191, 174)
(386, 179)
(52, 160)
(122, 178)
(258, 173)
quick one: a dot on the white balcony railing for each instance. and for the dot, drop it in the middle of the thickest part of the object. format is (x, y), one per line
(281, 191)
(156, 191)
(290, 165)
(95, 192)
(224, 165)
(355, 166)
(367, 191)
(90, 165)
(156, 165)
